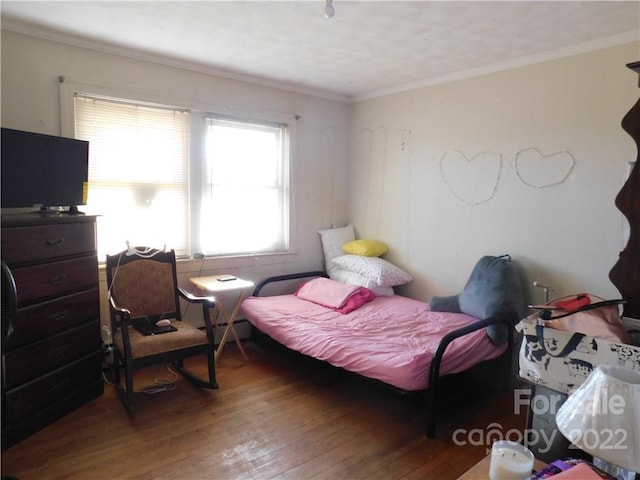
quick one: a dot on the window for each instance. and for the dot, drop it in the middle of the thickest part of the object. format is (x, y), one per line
(246, 189)
(194, 182)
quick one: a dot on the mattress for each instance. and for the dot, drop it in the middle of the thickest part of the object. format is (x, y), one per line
(392, 338)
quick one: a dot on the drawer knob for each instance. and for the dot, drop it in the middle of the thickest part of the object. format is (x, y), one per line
(57, 279)
(61, 386)
(55, 243)
(58, 350)
(61, 315)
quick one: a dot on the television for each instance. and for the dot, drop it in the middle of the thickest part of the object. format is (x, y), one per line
(43, 171)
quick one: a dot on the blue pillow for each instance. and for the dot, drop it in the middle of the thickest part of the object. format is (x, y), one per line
(494, 287)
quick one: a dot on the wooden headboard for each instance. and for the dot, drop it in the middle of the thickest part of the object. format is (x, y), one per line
(625, 274)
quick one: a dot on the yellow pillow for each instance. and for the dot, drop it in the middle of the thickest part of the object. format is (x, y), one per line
(367, 248)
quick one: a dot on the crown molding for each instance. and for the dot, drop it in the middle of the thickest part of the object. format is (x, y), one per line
(585, 47)
(44, 33)
(25, 28)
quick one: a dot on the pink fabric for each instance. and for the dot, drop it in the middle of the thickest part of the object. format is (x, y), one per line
(360, 297)
(334, 295)
(325, 291)
(392, 338)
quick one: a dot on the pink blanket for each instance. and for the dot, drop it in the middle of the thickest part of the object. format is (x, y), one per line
(335, 295)
(392, 338)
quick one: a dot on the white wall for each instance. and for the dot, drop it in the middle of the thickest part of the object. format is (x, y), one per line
(30, 101)
(403, 183)
(391, 148)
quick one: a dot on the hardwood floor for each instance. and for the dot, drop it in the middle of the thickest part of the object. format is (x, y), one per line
(280, 415)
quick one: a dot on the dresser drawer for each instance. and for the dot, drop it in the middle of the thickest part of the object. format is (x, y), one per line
(49, 280)
(24, 364)
(39, 394)
(44, 319)
(43, 242)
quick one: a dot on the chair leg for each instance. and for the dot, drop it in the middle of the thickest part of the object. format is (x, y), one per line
(212, 370)
(117, 379)
(178, 365)
(126, 392)
(195, 380)
(116, 368)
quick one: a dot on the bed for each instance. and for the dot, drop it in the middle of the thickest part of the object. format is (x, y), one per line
(392, 339)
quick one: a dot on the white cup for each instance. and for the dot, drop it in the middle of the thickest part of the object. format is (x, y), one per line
(510, 461)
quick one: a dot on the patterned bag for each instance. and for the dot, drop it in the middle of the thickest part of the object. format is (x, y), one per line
(561, 360)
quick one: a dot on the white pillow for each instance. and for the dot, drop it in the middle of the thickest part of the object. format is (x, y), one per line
(383, 273)
(352, 278)
(332, 241)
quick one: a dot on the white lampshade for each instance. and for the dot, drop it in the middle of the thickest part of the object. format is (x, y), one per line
(602, 417)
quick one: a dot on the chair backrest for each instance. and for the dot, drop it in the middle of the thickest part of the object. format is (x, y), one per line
(145, 285)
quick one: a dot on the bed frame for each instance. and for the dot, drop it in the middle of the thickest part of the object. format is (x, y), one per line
(433, 393)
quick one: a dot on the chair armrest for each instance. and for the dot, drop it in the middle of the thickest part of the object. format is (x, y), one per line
(125, 314)
(190, 297)
(290, 276)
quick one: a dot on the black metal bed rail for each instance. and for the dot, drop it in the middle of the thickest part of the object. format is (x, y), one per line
(289, 276)
(508, 318)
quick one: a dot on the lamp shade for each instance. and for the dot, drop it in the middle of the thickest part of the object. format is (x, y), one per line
(602, 417)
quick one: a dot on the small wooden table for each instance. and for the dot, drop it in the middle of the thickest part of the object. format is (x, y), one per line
(215, 285)
(480, 471)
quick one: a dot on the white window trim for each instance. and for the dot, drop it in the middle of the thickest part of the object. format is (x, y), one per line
(68, 88)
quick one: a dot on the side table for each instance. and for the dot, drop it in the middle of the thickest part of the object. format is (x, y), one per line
(220, 284)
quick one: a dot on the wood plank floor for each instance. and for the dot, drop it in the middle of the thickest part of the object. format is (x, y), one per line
(279, 415)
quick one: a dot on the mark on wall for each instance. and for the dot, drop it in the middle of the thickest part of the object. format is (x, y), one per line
(317, 151)
(472, 180)
(381, 183)
(537, 170)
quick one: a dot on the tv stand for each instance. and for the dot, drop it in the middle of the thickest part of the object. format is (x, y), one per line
(73, 210)
(57, 211)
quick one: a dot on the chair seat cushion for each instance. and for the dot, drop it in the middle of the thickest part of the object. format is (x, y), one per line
(146, 345)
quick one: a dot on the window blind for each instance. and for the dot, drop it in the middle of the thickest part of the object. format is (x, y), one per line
(138, 172)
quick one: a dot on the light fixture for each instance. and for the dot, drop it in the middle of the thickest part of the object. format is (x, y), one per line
(602, 417)
(329, 11)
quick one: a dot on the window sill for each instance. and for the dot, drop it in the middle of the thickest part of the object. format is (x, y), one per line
(211, 263)
(206, 263)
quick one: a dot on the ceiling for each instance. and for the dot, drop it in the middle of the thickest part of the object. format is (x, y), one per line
(368, 48)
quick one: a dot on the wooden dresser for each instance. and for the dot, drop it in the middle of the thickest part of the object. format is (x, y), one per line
(51, 343)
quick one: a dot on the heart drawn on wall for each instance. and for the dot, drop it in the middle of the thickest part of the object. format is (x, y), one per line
(472, 180)
(535, 169)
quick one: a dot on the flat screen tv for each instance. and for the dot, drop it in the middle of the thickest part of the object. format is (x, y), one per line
(43, 170)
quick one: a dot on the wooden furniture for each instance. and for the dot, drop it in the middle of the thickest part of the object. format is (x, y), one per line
(480, 471)
(143, 294)
(51, 343)
(625, 274)
(221, 284)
